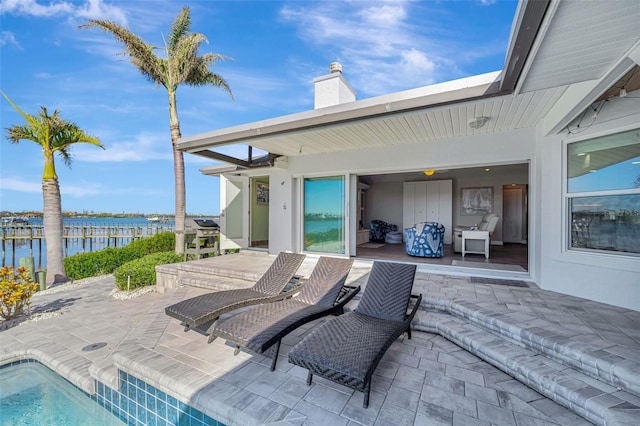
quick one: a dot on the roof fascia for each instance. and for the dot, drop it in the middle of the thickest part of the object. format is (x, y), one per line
(525, 40)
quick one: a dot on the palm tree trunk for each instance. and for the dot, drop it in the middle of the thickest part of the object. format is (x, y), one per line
(53, 229)
(178, 170)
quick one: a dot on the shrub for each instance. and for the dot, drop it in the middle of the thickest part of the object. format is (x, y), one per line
(105, 261)
(16, 289)
(142, 272)
(164, 241)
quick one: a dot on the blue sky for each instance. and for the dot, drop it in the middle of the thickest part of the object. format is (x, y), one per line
(277, 49)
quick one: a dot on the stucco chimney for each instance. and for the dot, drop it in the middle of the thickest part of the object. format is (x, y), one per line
(333, 88)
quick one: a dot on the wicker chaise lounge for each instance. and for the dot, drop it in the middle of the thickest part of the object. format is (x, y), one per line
(347, 349)
(200, 311)
(259, 328)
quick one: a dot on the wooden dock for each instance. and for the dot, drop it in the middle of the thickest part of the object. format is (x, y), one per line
(88, 236)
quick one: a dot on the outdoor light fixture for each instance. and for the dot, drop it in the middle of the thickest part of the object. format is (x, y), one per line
(478, 122)
(429, 172)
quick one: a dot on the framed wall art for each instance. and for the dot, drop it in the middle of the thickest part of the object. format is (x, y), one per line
(476, 201)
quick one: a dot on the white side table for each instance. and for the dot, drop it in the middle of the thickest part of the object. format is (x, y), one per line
(475, 235)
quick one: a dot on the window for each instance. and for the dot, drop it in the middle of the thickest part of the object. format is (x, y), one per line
(324, 214)
(603, 193)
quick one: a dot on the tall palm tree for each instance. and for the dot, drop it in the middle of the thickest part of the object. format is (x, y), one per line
(180, 65)
(55, 135)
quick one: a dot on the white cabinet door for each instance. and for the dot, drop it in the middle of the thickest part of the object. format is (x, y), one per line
(414, 207)
(430, 201)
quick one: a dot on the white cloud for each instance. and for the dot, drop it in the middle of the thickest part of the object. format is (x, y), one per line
(90, 9)
(33, 8)
(97, 9)
(145, 146)
(8, 38)
(80, 190)
(11, 184)
(26, 186)
(380, 48)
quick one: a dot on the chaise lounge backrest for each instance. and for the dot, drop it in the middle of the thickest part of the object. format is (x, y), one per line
(285, 265)
(384, 301)
(324, 284)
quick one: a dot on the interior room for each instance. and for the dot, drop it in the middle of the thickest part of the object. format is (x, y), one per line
(457, 198)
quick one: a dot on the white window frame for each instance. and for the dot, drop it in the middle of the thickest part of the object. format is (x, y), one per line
(567, 196)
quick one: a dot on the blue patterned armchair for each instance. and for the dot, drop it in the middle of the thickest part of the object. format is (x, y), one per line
(378, 230)
(424, 239)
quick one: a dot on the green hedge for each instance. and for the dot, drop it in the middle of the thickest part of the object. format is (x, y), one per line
(142, 271)
(105, 261)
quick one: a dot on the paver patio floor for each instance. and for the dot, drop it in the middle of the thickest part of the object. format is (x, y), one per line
(427, 380)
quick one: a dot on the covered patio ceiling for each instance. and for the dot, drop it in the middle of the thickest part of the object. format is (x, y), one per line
(549, 52)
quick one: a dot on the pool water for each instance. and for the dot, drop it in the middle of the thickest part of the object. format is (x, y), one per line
(31, 394)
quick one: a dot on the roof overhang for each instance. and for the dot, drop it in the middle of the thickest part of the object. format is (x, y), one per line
(476, 87)
(466, 98)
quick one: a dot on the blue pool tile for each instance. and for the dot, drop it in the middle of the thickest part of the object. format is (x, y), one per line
(131, 392)
(210, 422)
(172, 414)
(172, 401)
(151, 418)
(142, 414)
(198, 415)
(161, 395)
(150, 401)
(161, 408)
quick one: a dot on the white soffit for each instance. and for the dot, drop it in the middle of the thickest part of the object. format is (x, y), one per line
(506, 113)
(584, 40)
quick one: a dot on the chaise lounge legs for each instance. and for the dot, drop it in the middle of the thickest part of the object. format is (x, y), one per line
(275, 356)
(309, 376)
(367, 388)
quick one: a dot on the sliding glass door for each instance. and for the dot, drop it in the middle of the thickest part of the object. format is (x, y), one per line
(324, 214)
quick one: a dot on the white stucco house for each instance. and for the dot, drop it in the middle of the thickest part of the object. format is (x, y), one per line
(553, 138)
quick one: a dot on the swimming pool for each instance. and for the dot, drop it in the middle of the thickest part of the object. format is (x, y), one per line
(31, 394)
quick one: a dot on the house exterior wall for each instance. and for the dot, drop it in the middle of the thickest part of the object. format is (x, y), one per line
(281, 210)
(607, 278)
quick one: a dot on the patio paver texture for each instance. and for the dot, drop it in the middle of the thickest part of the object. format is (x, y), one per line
(589, 351)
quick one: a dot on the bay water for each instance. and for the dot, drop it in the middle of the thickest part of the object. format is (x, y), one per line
(23, 248)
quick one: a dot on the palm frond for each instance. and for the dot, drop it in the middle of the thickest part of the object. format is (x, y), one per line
(184, 57)
(27, 117)
(142, 54)
(16, 133)
(65, 154)
(179, 28)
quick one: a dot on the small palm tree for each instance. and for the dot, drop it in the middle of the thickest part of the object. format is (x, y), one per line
(181, 65)
(55, 135)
